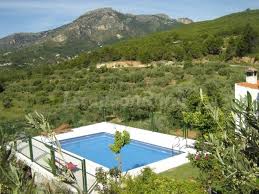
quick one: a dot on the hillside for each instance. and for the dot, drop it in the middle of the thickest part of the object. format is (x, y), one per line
(225, 25)
(140, 72)
(91, 30)
(219, 39)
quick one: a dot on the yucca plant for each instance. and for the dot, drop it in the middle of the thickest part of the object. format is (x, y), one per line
(16, 177)
(7, 135)
(38, 122)
(16, 180)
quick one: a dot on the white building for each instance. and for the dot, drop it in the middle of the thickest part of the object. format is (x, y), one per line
(251, 85)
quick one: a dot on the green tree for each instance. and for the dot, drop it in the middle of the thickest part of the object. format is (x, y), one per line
(120, 140)
(213, 45)
(178, 52)
(231, 49)
(246, 42)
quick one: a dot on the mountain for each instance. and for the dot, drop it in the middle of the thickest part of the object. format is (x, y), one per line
(91, 30)
(185, 20)
(225, 38)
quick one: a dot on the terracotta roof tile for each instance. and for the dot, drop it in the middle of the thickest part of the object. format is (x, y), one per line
(249, 85)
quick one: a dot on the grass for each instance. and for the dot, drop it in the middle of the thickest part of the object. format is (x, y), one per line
(184, 172)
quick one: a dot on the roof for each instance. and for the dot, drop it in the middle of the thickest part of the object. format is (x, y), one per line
(249, 85)
(251, 69)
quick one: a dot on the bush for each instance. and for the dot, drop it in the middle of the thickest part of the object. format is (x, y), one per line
(146, 183)
(213, 45)
(135, 108)
(246, 42)
(36, 82)
(226, 157)
(7, 103)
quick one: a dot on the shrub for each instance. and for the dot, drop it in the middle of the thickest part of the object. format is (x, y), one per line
(213, 45)
(146, 183)
(227, 156)
(7, 103)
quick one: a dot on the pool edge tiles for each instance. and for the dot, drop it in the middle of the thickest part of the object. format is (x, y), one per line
(136, 154)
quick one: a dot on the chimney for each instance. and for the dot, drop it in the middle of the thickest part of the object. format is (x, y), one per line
(251, 76)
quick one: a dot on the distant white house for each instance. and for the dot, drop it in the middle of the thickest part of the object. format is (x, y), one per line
(251, 85)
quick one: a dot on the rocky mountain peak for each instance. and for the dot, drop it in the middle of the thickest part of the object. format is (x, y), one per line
(100, 11)
(185, 20)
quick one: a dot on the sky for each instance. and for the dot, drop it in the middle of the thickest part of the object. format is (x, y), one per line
(39, 15)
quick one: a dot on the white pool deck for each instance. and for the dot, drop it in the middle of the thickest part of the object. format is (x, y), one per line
(40, 151)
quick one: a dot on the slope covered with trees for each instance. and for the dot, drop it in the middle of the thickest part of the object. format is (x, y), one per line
(231, 36)
(79, 95)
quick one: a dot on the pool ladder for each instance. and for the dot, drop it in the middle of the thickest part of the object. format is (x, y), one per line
(177, 144)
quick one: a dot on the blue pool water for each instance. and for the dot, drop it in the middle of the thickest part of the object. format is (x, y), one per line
(96, 148)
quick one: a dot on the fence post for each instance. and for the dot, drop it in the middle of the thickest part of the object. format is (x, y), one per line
(185, 134)
(104, 114)
(152, 122)
(84, 176)
(52, 160)
(31, 150)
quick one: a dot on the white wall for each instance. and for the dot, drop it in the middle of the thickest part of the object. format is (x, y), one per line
(251, 79)
(241, 92)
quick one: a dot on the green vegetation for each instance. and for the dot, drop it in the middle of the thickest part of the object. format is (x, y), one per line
(79, 96)
(227, 154)
(146, 183)
(243, 45)
(15, 176)
(231, 36)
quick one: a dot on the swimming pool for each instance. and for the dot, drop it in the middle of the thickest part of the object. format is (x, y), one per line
(95, 147)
